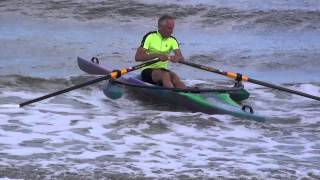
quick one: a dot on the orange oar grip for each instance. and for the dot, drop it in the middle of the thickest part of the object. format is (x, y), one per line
(124, 71)
(235, 76)
(114, 75)
(118, 73)
(245, 78)
(232, 75)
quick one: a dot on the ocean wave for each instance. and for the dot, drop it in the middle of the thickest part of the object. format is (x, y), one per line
(264, 60)
(258, 19)
(207, 15)
(27, 83)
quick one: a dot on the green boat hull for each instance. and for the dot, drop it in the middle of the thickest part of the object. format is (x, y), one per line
(227, 102)
(213, 101)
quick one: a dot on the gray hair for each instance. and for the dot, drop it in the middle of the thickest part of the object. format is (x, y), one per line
(164, 18)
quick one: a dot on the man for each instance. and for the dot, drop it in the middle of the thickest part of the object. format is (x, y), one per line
(159, 44)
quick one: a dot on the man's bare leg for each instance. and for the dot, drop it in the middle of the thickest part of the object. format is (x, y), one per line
(162, 76)
(176, 81)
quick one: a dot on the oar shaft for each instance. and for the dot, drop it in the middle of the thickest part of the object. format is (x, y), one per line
(217, 71)
(241, 77)
(112, 75)
(283, 89)
(65, 90)
(206, 68)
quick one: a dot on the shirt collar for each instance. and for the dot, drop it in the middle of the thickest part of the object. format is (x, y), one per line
(159, 34)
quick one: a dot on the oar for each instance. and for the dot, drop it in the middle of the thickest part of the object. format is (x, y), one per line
(113, 75)
(240, 77)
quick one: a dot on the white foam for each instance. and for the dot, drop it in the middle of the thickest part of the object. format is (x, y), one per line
(9, 106)
(182, 148)
(24, 151)
(90, 155)
(6, 178)
(191, 82)
(23, 94)
(241, 132)
(310, 89)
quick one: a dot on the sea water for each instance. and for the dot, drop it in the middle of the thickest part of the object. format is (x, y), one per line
(84, 135)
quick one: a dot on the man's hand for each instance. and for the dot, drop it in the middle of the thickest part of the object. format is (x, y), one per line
(174, 58)
(162, 57)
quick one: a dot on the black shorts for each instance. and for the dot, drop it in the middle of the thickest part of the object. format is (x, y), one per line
(146, 75)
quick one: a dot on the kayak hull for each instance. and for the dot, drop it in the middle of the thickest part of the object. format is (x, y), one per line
(219, 101)
(205, 102)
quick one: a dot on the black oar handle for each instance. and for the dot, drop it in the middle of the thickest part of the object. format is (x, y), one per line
(241, 77)
(113, 75)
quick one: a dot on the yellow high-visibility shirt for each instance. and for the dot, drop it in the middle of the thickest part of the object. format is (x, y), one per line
(154, 43)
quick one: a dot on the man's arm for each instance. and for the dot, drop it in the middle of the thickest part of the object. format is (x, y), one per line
(142, 55)
(177, 56)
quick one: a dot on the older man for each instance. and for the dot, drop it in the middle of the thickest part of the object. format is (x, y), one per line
(160, 44)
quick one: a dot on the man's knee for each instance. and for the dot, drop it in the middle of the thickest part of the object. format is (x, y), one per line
(177, 81)
(160, 75)
(174, 76)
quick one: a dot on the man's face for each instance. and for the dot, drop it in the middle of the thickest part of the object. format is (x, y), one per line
(167, 27)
